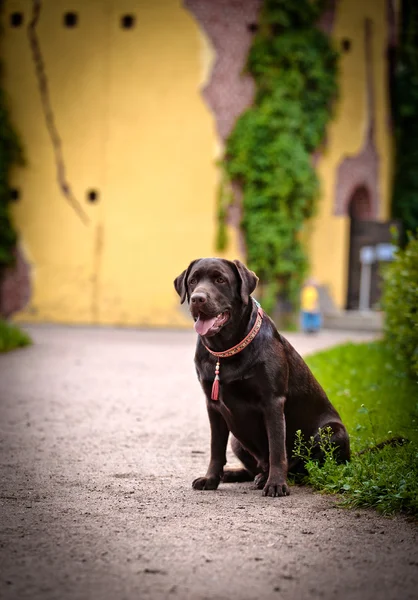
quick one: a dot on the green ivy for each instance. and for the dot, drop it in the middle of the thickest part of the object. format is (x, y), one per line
(269, 152)
(401, 307)
(10, 155)
(405, 191)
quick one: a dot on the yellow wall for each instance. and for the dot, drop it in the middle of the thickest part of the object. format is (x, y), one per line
(329, 234)
(134, 127)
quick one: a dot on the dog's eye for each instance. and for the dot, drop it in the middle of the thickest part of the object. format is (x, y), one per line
(192, 281)
(220, 280)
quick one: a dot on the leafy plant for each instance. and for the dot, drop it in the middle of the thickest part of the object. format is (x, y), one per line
(12, 337)
(400, 301)
(321, 443)
(269, 152)
(377, 401)
(386, 480)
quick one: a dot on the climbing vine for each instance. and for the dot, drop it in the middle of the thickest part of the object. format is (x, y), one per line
(405, 190)
(269, 152)
(10, 154)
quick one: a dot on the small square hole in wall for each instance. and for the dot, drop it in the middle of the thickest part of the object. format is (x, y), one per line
(92, 196)
(127, 21)
(16, 19)
(14, 194)
(252, 27)
(346, 45)
(70, 19)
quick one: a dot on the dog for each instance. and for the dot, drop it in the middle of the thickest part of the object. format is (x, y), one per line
(257, 387)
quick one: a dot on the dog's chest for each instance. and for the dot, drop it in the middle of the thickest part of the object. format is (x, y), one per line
(241, 405)
(239, 387)
(231, 374)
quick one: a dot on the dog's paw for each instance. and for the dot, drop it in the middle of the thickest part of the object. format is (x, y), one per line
(276, 488)
(260, 481)
(205, 483)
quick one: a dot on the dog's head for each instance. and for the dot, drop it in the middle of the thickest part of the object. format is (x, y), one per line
(216, 291)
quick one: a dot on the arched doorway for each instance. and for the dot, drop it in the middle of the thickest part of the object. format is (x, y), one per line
(359, 210)
(359, 206)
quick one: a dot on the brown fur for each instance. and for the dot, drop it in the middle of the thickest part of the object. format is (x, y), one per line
(267, 391)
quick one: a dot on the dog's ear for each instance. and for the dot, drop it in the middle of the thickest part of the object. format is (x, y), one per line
(248, 279)
(180, 283)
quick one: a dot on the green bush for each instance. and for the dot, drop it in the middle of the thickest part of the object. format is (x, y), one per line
(269, 152)
(386, 480)
(377, 401)
(405, 114)
(400, 302)
(12, 337)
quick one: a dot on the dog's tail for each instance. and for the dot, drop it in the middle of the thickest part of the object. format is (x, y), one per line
(237, 476)
(394, 441)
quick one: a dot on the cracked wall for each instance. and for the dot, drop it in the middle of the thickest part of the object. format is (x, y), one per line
(140, 136)
(136, 148)
(362, 169)
(230, 26)
(15, 288)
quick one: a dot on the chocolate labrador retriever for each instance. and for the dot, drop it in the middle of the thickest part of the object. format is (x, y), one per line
(257, 386)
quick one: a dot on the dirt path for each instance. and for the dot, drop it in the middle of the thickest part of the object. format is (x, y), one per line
(101, 434)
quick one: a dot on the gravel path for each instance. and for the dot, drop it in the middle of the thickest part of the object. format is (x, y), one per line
(102, 432)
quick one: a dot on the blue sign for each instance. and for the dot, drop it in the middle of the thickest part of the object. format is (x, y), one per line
(367, 255)
(385, 252)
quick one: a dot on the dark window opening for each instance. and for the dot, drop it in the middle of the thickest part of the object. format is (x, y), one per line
(16, 19)
(252, 27)
(70, 19)
(14, 194)
(92, 195)
(346, 45)
(127, 21)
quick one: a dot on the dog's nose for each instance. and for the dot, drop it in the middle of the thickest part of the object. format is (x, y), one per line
(198, 298)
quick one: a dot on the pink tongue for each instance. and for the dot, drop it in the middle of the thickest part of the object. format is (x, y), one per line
(202, 326)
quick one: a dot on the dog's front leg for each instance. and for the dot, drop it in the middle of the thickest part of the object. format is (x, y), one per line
(276, 431)
(219, 439)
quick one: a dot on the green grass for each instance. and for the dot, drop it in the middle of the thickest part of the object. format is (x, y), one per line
(376, 401)
(12, 337)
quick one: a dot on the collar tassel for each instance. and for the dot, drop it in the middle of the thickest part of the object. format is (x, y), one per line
(215, 386)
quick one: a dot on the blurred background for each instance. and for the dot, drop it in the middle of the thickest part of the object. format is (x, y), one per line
(139, 135)
(135, 137)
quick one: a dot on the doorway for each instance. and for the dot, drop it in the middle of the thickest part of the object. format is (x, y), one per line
(364, 232)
